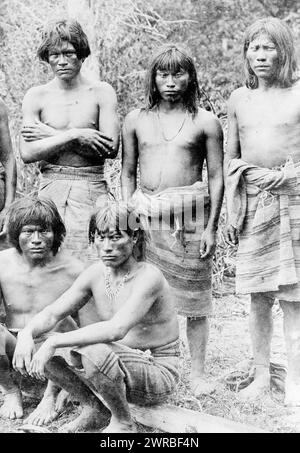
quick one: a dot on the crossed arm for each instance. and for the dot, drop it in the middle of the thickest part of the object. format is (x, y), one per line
(42, 142)
(147, 287)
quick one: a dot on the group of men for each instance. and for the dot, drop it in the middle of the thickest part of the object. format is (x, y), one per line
(106, 331)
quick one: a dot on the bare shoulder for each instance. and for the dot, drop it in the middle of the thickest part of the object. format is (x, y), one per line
(151, 276)
(238, 94)
(132, 118)
(104, 92)
(8, 258)
(72, 265)
(296, 87)
(34, 96)
(208, 122)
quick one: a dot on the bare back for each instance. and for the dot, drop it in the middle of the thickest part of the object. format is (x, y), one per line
(26, 291)
(266, 125)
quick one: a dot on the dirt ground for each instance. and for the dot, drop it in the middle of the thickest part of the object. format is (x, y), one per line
(229, 344)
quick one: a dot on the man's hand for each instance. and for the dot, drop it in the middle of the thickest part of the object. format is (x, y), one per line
(23, 353)
(231, 235)
(208, 243)
(95, 140)
(37, 131)
(40, 358)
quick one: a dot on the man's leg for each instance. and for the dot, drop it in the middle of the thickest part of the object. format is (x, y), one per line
(197, 330)
(113, 393)
(94, 415)
(261, 330)
(291, 323)
(51, 405)
(12, 407)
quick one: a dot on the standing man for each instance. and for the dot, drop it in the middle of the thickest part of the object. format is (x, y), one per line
(170, 139)
(263, 195)
(8, 174)
(70, 127)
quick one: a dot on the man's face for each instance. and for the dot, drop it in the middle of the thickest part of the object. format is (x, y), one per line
(172, 85)
(115, 247)
(64, 61)
(263, 57)
(36, 242)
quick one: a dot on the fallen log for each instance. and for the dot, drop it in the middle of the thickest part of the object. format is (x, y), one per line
(174, 419)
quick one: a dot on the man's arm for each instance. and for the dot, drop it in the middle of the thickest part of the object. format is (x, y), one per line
(129, 156)
(108, 119)
(41, 142)
(40, 149)
(147, 287)
(233, 151)
(71, 301)
(8, 161)
(214, 160)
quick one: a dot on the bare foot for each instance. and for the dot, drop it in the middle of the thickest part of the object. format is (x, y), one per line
(89, 418)
(257, 388)
(201, 386)
(118, 426)
(12, 406)
(292, 394)
(44, 413)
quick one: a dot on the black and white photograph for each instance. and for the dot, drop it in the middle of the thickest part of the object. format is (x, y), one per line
(149, 219)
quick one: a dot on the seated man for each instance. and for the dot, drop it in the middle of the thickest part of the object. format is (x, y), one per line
(130, 352)
(33, 274)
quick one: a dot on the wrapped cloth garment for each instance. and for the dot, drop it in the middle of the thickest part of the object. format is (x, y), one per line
(176, 218)
(76, 191)
(264, 205)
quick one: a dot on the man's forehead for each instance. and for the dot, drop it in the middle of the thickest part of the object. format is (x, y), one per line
(63, 45)
(35, 225)
(110, 231)
(262, 37)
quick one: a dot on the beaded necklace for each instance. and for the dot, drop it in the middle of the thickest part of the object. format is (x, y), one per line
(112, 293)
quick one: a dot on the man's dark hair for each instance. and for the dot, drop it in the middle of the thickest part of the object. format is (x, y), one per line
(116, 215)
(32, 211)
(55, 33)
(172, 58)
(280, 34)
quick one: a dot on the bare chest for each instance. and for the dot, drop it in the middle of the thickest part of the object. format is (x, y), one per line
(25, 291)
(71, 110)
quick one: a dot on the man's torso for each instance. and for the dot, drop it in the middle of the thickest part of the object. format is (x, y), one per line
(269, 125)
(26, 292)
(173, 163)
(67, 109)
(157, 328)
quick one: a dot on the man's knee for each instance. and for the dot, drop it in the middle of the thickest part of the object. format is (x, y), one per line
(100, 359)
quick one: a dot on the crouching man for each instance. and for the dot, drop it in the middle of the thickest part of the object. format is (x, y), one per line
(33, 274)
(130, 352)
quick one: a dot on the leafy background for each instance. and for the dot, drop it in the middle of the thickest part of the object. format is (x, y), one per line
(123, 35)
